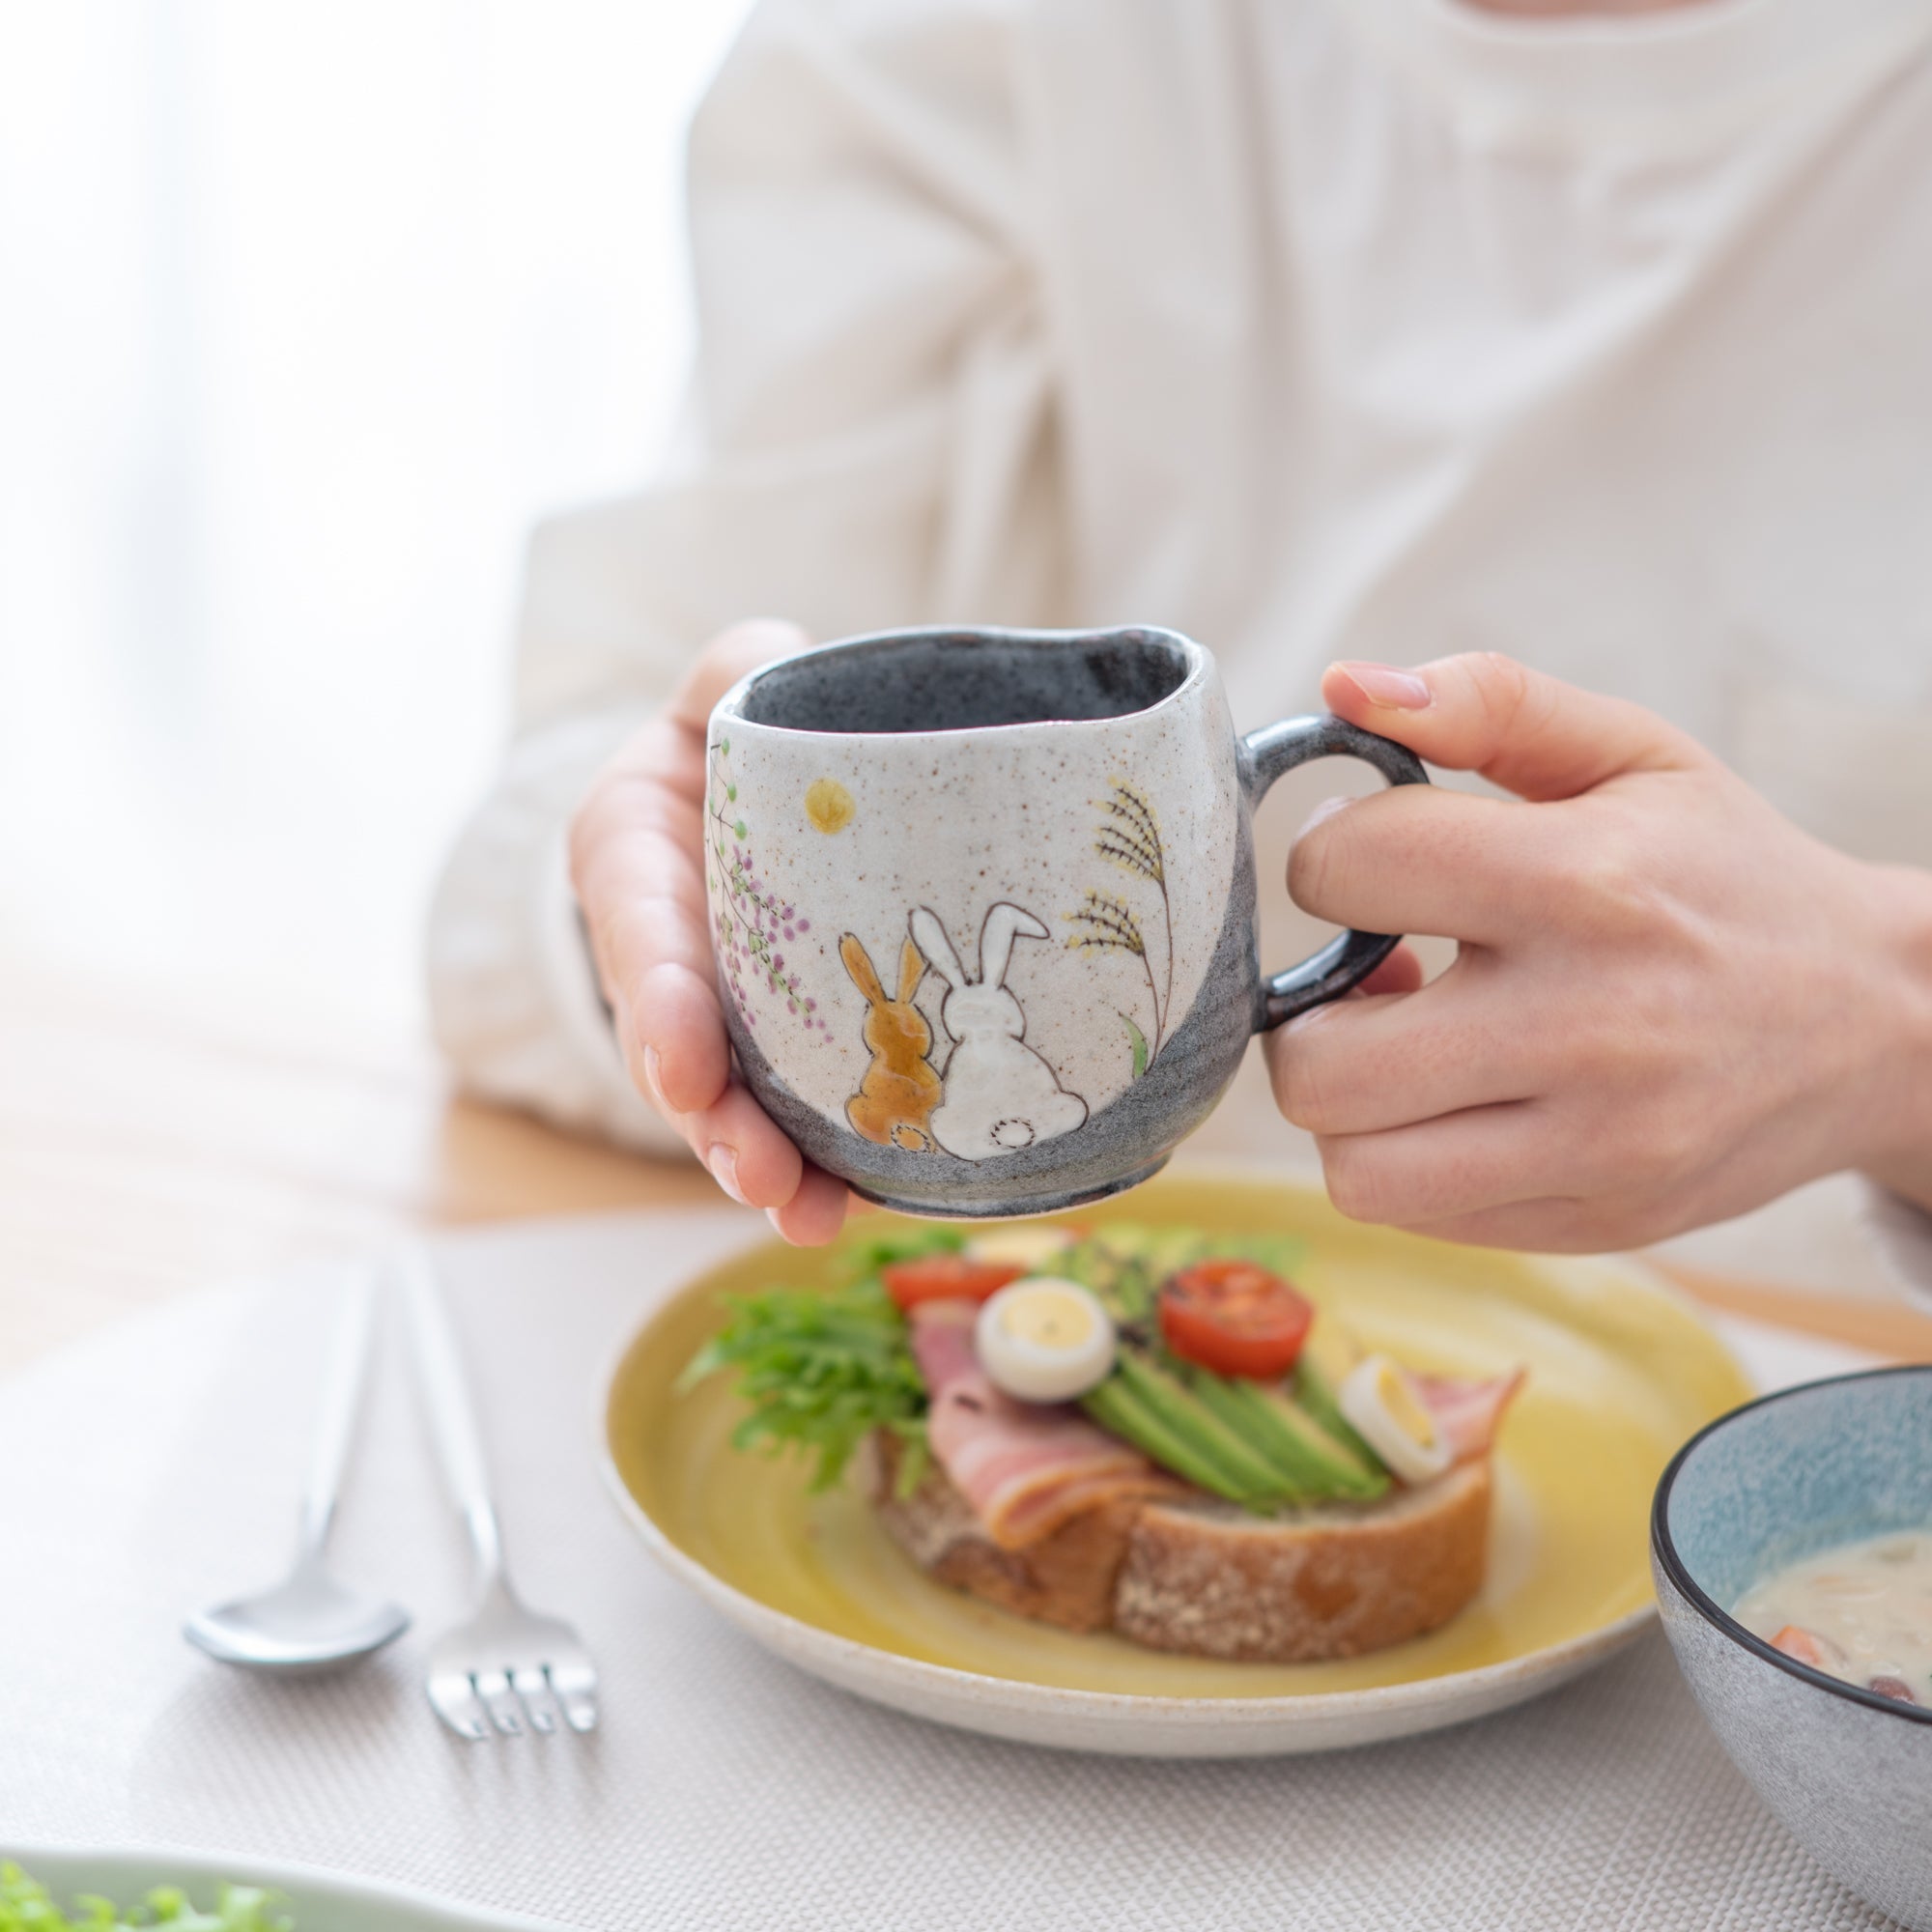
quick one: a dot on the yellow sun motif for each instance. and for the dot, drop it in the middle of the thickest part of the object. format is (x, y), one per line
(829, 804)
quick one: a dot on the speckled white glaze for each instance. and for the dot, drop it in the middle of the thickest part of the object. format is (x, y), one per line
(955, 824)
(1847, 1771)
(994, 952)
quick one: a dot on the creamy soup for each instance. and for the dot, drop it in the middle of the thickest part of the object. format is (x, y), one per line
(1862, 1612)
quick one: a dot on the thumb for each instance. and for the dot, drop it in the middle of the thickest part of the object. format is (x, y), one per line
(730, 655)
(1531, 734)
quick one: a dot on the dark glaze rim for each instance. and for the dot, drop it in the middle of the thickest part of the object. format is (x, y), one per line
(1712, 1612)
(878, 642)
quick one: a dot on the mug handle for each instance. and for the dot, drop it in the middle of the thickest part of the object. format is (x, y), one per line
(1350, 957)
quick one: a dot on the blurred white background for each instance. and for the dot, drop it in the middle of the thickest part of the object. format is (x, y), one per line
(305, 313)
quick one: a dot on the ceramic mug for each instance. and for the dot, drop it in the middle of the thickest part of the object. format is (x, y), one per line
(983, 904)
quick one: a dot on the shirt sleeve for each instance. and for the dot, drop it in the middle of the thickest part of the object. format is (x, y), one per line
(1903, 1231)
(867, 442)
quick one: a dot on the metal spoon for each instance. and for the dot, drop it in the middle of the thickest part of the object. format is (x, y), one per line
(311, 1622)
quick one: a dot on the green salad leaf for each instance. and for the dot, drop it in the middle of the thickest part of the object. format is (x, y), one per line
(27, 1906)
(867, 1252)
(1279, 1253)
(1124, 1263)
(821, 1371)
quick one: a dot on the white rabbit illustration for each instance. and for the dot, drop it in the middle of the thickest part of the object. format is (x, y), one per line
(1000, 1095)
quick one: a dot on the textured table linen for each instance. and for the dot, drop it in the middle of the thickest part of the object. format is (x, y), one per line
(155, 1466)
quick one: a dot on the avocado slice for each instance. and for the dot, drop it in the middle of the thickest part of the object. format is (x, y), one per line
(1317, 1467)
(1115, 1278)
(1161, 1251)
(1249, 1476)
(1232, 1404)
(1315, 1384)
(1124, 1263)
(1117, 1408)
(1331, 1460)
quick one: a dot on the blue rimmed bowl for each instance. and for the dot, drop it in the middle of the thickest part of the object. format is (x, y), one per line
(1847, 1771)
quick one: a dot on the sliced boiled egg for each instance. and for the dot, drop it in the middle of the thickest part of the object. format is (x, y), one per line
(1044, 1340)
(1378, 1404)
(1029, 1245)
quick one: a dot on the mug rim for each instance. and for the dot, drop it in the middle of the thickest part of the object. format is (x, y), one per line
(1671, 1562)
(880, 643)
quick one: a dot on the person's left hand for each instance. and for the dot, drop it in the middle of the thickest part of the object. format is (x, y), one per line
(1669, 1004)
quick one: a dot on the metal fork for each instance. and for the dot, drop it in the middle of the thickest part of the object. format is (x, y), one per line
(506, 1670)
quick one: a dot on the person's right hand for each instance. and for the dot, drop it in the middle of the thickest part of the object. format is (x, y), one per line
(637, 860)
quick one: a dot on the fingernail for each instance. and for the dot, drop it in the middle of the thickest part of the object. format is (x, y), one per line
(778, 1226)
(653, 1078)
(723, 1161)
(1392, 688)
(1322, 812)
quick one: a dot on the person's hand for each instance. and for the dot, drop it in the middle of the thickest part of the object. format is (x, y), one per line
(637, 860)
(1669, 1004)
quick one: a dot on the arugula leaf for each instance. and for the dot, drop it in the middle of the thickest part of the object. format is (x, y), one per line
(869, 1252)
(27, 1906)
(821, 1371)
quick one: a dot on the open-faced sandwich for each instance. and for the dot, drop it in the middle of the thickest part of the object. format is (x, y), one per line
(1144, 1430)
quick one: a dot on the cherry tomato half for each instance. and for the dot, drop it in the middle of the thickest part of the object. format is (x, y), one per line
(947, 1277)
(1234, 1318)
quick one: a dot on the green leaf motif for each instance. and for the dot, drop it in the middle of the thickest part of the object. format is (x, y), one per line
(740, 829)
(1140, 1046)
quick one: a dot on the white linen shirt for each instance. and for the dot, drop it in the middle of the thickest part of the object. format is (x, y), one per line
(1314, 329)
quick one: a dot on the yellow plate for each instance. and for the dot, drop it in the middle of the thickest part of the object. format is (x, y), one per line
(1621, 1373)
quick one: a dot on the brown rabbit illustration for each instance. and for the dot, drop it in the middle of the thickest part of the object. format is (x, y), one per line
(896, 1096)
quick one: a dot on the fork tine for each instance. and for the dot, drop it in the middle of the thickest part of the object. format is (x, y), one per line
(576, 1688)
(454, 1698)
(500, 1701)
(540, 1707)
(491, 1670)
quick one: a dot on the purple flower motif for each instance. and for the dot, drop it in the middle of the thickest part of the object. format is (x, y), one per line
(749, 915)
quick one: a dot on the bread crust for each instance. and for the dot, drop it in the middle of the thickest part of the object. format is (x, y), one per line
(1205, 1578)
(1335, 1583)
(1067, 1577)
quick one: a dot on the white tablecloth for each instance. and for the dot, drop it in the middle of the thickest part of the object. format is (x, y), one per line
(153, 1467)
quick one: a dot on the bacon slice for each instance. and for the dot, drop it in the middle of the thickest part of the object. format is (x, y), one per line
(1464, 1410)
(1025, 1468)
(942, 1342)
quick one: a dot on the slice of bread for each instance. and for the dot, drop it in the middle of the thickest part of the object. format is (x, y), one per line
(1207, 1579)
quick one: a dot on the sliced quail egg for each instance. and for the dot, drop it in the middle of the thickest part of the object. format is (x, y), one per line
(1376, 1401)
(1029, 1245)
(1044, 1340)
